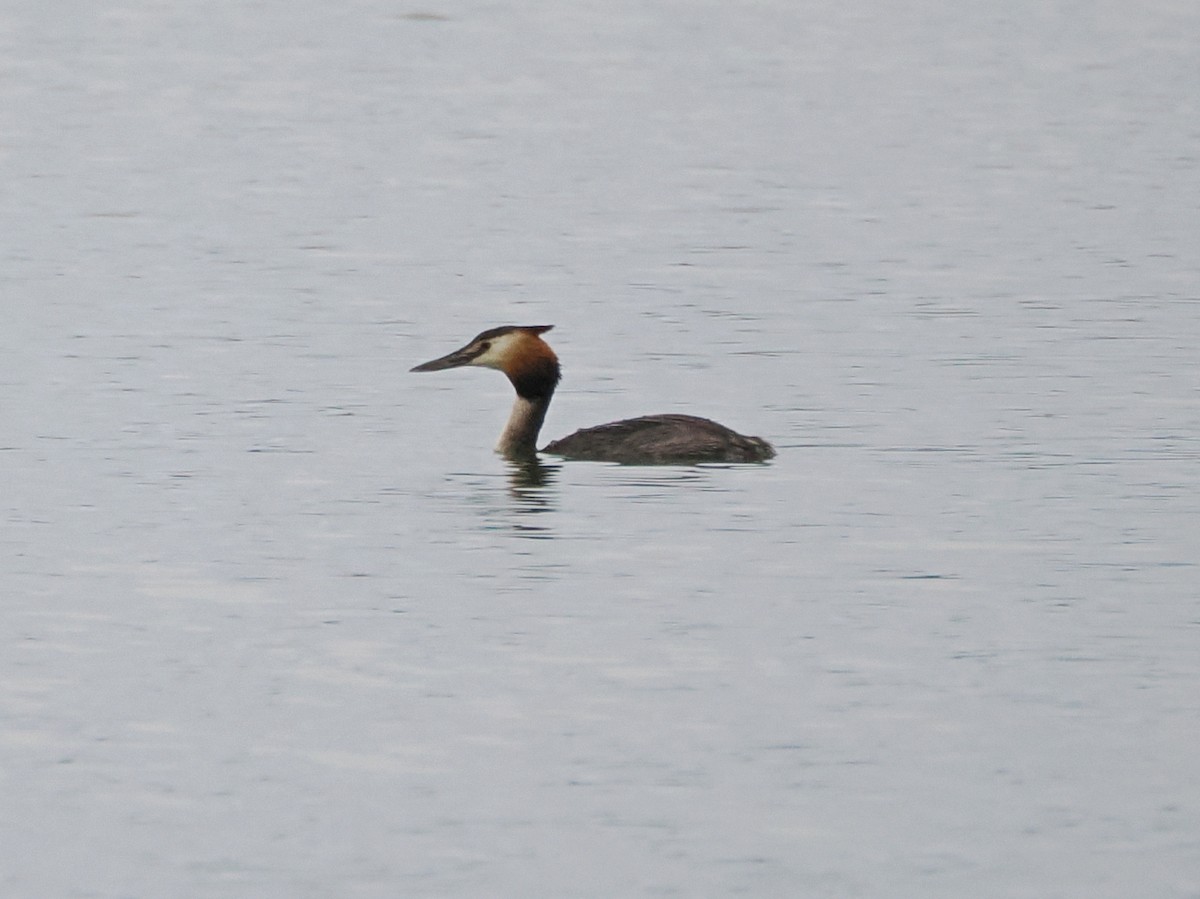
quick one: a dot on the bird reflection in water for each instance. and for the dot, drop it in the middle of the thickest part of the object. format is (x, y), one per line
(531, 486)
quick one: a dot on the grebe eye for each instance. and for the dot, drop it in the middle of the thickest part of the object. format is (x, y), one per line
(485, 346)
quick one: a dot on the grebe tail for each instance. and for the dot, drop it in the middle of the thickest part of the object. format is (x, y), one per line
(533, 369)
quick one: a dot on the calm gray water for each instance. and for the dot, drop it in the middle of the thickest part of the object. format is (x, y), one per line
(277, 623)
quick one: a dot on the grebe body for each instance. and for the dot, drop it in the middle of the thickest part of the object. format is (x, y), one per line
(533, 369)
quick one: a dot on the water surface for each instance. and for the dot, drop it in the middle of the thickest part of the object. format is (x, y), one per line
(278, 623)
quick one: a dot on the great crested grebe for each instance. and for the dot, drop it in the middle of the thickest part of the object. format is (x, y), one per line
(532, 367)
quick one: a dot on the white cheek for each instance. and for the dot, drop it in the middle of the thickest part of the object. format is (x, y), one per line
(495, 354)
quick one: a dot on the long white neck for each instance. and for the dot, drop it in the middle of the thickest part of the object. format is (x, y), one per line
(519, 438)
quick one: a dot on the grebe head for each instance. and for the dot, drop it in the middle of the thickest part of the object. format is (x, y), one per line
(531, 366)
(516, 350)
